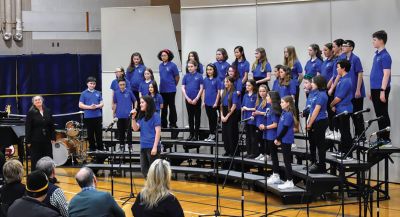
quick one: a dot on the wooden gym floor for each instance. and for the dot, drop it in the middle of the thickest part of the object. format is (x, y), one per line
(198, 198)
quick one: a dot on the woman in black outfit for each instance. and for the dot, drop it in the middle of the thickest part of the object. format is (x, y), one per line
(156, 199)
(39, 131)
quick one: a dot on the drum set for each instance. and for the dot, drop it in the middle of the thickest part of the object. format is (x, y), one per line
(70, 144)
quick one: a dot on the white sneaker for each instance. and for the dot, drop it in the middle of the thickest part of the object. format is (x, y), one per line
(294, 145)
(211, 138)
(274, 179)
(287, 185)
(259, 156)
(208, 139)
(328, 132)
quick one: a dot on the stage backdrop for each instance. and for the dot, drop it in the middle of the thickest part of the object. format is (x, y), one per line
(146, 30)
(208, 25)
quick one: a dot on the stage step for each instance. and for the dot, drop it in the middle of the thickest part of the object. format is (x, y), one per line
(294, 195)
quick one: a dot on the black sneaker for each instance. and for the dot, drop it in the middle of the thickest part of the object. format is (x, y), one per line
(316, 169)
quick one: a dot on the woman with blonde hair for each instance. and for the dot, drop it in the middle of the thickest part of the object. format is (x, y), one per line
(156, 198)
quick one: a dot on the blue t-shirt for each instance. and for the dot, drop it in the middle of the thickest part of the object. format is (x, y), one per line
(210, 90)
(136, 76)
(258, 73)
(343, 92)
(192, 82)
(222, 69)
(242, 68)
(334, 69)
(312, 67)
(287, 120)
(235, 100)
(327, 69)
(250, 102)
(296, 70)
(168, 72)
(148, 130)
(382, 60)
(89, 98)
(124, 101)
(114, 85)
(275, 86)
(259, 118)
(319, 98)
(310, 98)
(144, 87)
(270, 118)
(287, 90)
(158, 100)
(200, 68)
(356, 68)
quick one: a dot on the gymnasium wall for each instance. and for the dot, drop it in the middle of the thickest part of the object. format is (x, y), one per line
(273, 25)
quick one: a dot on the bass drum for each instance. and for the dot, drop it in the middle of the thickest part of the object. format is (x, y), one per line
(63, 149)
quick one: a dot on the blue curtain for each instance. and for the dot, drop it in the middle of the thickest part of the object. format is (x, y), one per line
(59, 78)
(7, 82)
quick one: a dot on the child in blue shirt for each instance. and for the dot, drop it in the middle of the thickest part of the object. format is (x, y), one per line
(287, 86)
(275, 86)
(192, 88)
(313, 65)
(269, 126)
(153, 92)
(194, 56)
(222, 66)
(248, 107)
(285, 137)
(342, 105)
(149, 124)
(211, 99)
(144, 86)
(261, 68)
(242, 66)
(229, 117)
(134, 73)
(318, 122)
(259, 115)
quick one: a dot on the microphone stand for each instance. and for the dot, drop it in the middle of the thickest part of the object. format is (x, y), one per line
(241, 142)
(307, 166)
(131, 195)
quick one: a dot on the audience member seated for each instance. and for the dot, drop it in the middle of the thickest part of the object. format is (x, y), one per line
(156, 199)
(55, 196)
(13, 189)
(32, 205)
(91, 202)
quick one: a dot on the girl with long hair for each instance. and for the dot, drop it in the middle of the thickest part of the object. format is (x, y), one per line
(194, 56)
(211, 99)
(222, 65)
(248, 107)
(148, 78)
(153, 92)
(318, 121)
(149, 124)
(313, 65)
(229, 116)
(192, 89)
(134, 73)
(291, 60)
(287, 86)
(261, 68)
(259, 114)
(156, 196)
(285, 137)
(326, 72)
(241, 64)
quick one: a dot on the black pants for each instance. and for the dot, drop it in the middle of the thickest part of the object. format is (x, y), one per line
(169, 101)
(95, 133)
(146, 159)
(313, 146)
(274, 155)
(124, 130)
(318, 138)
(38, 150)
(344, 129)
(212, 118)
(287, 158)
(263, 146)
(230, 131)
(358, 120)
(194, 115)
(381, 109)
(251, 140)
(331, 113)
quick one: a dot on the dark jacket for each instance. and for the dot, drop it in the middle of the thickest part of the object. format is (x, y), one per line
(167, 207)
(39, 128)
(8, 194)
(29, 207)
